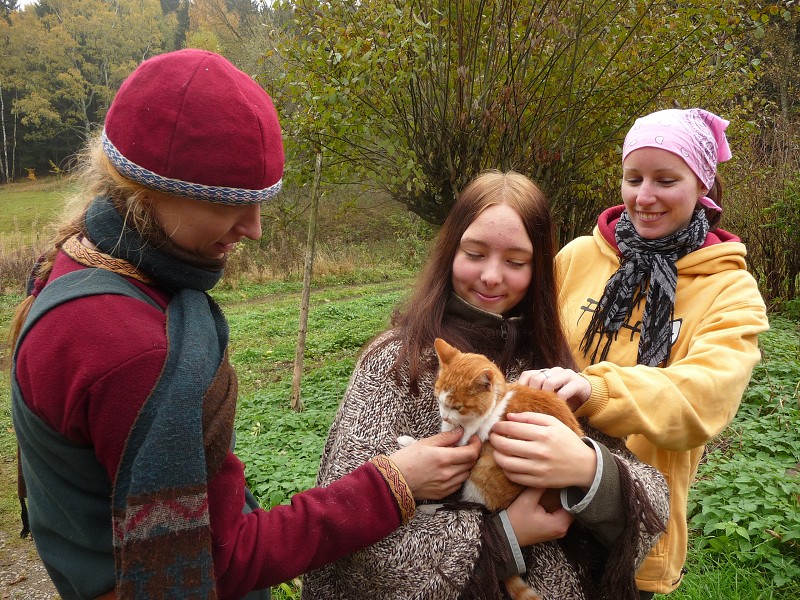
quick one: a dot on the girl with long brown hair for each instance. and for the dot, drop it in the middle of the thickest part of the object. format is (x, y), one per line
(489, 287)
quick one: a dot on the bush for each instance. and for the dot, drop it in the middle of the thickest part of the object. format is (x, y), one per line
(15, 267)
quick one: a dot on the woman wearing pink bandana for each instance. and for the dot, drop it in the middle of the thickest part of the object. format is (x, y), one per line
(661, 314)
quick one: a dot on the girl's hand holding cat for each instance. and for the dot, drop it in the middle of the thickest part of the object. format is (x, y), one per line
(572, 387)
(433, 467)
(532, 524)
(537, 450)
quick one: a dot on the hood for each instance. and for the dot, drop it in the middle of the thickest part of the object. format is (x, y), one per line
(722, 250)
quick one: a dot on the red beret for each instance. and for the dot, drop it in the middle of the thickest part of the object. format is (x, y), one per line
(191, 124)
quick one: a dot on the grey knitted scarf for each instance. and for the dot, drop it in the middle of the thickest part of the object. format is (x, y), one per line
(647, 270)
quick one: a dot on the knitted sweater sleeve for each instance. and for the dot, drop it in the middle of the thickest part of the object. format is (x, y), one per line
(430, 557)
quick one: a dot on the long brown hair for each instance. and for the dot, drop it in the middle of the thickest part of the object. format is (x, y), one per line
(542, 342)
(715, 193)
(94, 176)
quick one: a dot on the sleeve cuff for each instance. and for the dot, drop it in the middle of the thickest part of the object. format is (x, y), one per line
(601, 509)
(597, 399)
(397, 485)
(572, 498)
(512, 542)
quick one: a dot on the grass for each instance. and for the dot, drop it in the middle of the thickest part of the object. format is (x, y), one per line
(281, 448)
(714, 576)
(9, 505)
(27, 207)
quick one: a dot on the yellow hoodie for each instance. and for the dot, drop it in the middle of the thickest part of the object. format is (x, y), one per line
(668, 414)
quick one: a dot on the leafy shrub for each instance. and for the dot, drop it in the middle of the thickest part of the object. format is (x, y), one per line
(281, 448)
(791, 309)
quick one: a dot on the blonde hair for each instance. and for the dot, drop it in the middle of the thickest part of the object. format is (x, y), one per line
(94, 176)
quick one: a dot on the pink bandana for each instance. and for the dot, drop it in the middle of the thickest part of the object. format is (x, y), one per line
(696, 135)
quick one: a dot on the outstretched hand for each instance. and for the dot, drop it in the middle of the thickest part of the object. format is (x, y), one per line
(538, 450)
(434, 467)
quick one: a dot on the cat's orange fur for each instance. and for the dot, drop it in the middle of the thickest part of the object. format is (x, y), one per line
(473, 393)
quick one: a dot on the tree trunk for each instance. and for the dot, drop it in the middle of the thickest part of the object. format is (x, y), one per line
(297, 402)
(13, 149)
(4, 167)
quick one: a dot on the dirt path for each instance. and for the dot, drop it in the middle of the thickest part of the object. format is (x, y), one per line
(22, 575)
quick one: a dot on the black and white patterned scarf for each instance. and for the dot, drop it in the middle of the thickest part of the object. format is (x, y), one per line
(647, 270)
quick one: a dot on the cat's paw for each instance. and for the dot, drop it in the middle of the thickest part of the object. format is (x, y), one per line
(404, 441)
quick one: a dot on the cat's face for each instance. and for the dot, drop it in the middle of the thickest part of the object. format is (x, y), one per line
(466, 386)
(461, 400)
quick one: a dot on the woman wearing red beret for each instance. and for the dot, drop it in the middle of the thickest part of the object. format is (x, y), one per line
(123, 397)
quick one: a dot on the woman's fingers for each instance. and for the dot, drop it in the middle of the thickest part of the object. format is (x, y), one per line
(540, 451)
(570, 386)
(432, 468)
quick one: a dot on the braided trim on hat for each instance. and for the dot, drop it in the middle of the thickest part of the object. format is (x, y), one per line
(211, 193)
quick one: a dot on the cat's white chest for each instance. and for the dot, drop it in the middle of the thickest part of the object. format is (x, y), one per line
(480, 426)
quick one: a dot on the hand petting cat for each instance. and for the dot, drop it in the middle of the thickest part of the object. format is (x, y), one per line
(434, 467)
(538, 450)
(572, 387)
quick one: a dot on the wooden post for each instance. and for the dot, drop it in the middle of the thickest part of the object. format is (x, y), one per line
(297, 401)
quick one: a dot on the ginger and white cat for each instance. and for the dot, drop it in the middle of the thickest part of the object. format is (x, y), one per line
(473, 393)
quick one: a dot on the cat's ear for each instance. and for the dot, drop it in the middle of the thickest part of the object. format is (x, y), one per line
(444, 351)
(484, 380)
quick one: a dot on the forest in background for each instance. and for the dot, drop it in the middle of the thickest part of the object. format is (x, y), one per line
(411, 98)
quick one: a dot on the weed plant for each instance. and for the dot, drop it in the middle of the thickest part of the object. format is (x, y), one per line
(745, 506)
(280, 447)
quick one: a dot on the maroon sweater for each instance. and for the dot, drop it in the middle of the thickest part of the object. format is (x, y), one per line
(86, 369)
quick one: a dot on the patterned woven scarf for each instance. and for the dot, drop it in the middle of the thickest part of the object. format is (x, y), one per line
(161, 528)
(647, 270)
